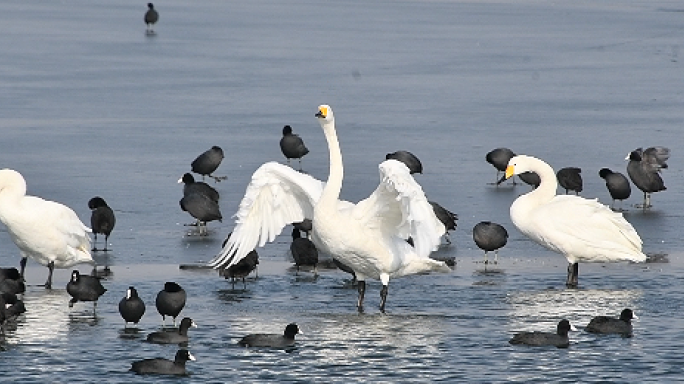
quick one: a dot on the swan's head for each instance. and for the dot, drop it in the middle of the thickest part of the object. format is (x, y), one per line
(11, 179)
(520, 164)
(325, 115)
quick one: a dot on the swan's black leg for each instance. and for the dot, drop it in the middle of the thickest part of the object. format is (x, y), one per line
(362, 292)
(51, 268)
(22, 264)
(573, 272)
(383, 298)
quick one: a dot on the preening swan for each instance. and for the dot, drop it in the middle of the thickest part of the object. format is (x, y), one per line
(580, 229)
(48, 232)
(370, 236)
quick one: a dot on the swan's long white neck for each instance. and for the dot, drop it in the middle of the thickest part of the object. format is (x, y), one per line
(547, 188)
(331, 192)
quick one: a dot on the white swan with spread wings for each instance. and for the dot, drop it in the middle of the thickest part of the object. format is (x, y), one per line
(369, 236)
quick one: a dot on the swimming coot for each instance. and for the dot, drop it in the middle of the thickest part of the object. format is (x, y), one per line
(285, 340)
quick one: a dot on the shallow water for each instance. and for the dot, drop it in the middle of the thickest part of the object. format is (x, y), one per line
(93, 106)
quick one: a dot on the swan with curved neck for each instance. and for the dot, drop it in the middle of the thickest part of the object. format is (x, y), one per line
(369, 237)
(580, 229)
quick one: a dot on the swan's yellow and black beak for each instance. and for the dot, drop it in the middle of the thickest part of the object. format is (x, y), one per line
(322, 112)
(510, 171)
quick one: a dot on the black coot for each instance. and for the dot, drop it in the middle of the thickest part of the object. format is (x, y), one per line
(170, 301)
(164, 366)
(559, 339)
(102, 220)
(285, 340)
(412, 162)
(84, 288)
(167, 337)
(131, 307)
(490, 237)
(292, 146)
(617, 184)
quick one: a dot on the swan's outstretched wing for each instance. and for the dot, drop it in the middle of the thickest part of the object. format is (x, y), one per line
(277, 196)
(398, 207)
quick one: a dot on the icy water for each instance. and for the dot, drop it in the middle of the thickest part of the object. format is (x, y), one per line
(92, 106)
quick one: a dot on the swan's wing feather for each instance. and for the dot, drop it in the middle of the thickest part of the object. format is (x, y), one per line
(576, 226)
(276, 196)
(60, 230)
(398, 208)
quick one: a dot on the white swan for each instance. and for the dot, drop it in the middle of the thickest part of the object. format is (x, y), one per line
(369, 236)
(49, 232)
(582, 230)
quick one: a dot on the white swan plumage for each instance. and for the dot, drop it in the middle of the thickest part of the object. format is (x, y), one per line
(48, 232)
(583, 230)
(369, 236)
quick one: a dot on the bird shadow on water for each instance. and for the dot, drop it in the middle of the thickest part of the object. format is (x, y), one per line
(234, 295)
(131, 333)
(84, 317)
(489, 275)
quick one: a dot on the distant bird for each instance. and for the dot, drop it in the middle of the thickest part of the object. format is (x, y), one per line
(102, 220)
(84, 288)
(168, 337)
(285, 340)
(447, 218)
(292, 146)
(206, 163)
(164, 366)
(412, 162)
(580, 229)
(131, 307)
(242, 269)
(11, 281)
(303, 251)
(617, 184)
(499, 158)
(170, 301)
(370, 236)
(570, 178)
(151, 18)
(49, 232)
(202, 208)
(559, 339)
(605, 324)
(644, 170)
(490, 237)
(191, 186)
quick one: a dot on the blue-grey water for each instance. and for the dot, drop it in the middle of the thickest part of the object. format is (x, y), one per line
(91, 105)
